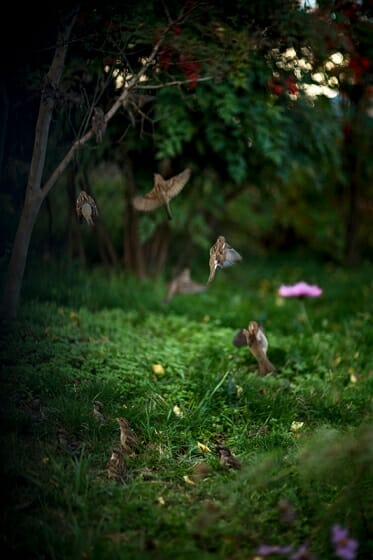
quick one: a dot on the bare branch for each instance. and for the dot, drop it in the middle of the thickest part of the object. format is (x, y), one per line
(167, 12)
(119, 102)
(174, 83)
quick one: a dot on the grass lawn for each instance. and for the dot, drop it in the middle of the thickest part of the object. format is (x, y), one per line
(303, 435)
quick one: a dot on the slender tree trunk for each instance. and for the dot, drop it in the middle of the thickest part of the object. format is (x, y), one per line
(156, 249)
(34, 193)
(18, 259)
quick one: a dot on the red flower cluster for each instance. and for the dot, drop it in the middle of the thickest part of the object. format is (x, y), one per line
(191, 70)
(165, 56)
(358, 66)
(287, 85)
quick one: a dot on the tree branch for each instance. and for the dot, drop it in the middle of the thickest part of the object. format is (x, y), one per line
(174, 83)
(119, 102)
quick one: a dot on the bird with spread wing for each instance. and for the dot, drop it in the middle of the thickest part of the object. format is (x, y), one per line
(256, 340)
(221, 256)
(162, 192)
(183, 284)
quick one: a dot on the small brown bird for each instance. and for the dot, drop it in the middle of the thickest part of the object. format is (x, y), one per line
(68, 442)
(221, 256)
(226, 459)
(128, 438)
(255, 339)
(183, 284)
(86, 208)
(98, 411)
(116, 467)
(98, 123)
(162, 192)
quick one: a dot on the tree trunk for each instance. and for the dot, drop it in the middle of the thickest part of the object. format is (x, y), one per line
(18, 259)
(156, 249)
(34, 193)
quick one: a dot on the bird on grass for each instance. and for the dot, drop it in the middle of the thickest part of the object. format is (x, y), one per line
(183, 284)
(86, 208)
(256, 340)
(116, 467)
(226, 459)
(222, 255)
(98, 411)
(162, 192)
(128, 438)
(68, 442)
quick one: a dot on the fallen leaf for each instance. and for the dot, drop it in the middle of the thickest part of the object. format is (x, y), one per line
(177, 411)
(158, 369)
(188, 480)
(203, 447)
(295, 426)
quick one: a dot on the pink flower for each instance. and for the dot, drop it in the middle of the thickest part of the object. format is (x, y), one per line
(300, 290)
(345, 547)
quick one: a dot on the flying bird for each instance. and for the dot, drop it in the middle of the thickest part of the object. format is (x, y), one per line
(183, 284)
(86, 208)
(256, 340)
(128, 438)
(226, 459)
(221, 256)
(162, 192)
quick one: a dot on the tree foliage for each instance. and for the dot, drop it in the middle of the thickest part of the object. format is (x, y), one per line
(223, 89)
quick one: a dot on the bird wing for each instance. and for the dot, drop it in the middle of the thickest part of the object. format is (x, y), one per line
(93, 204)
(229, 256)
(152, 199)
(175, 184)
(162, 191)
(240, 338)
(148, 202)
(262, 339)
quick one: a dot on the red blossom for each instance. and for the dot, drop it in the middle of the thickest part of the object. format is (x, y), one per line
(358, 65)
(191, 70)
(165, 56)
(177, 29)
(274, 87)
(291, 85)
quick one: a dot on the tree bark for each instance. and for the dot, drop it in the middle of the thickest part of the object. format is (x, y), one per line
(34, 194)
(32, 204)
(18, 259)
